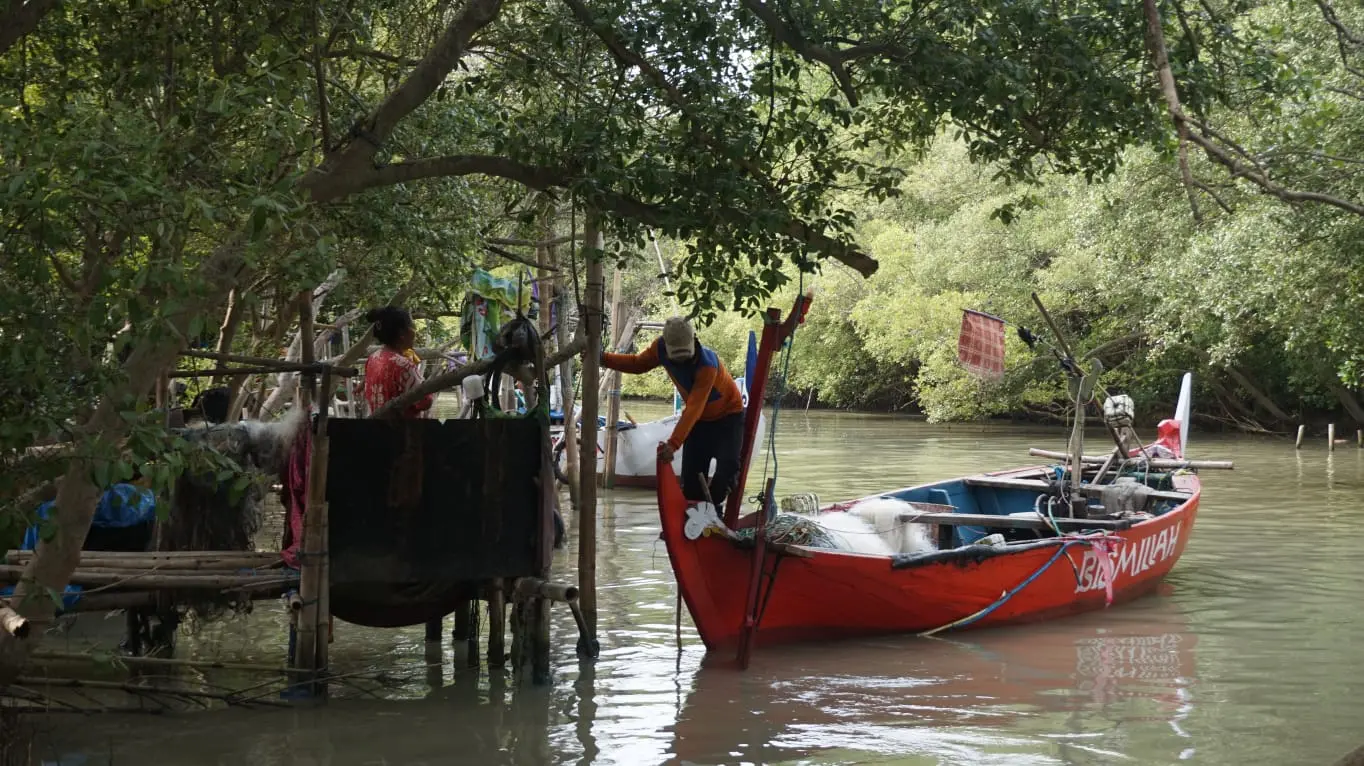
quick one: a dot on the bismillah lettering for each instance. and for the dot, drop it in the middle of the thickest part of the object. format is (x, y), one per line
(1134, 557)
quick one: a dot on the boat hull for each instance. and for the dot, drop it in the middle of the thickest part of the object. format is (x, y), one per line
(823, 594)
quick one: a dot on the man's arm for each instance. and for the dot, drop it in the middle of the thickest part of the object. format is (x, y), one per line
(633, 363)
(696, 402)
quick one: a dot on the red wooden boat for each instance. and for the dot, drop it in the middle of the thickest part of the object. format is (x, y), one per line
(746, 589)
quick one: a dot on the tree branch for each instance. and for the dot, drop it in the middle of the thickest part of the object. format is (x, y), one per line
(447, 380)
(23, 18)
(331, 180)
(795, 41)
(1155, 40)
(1251, 172)
(320, 81)
(1216, 198)
(791, 227)
(495, 250)
(1345, 39)
(443, 167)
(370, 53)
(565, 239)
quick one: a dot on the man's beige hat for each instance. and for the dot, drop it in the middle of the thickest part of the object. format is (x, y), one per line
(679, 340)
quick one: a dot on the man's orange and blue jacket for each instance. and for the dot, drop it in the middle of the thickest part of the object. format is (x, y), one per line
(707, 389)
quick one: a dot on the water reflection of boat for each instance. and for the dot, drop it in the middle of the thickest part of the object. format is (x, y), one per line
(1088, 684)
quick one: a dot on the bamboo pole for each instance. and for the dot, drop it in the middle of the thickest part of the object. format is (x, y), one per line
(540, 640)
(274, 365)
(306, 369)
(547, 286)
(613, 389)
(313, 583)
(162, 661)
(154, 579)
(179, 559)
(462, 620)
(107, 602)
(531, 587)
(471, 641)
(172, 566)
(566, 389)
(1331, 437)
(15, 570)
(75, 683)
(587, 468)
(1359, 438)
(497, 626)
(518, 631)
(13, 623)
(1302, 432)
(1154, 462)
(306, 381)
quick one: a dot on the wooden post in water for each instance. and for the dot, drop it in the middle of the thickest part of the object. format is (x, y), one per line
(587, 467)
(1302, 432)
(1331, 437)
(1359, 438)
(497, 625)
(613, 388)
(314, 622)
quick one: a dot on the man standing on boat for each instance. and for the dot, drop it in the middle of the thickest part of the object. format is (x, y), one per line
(712, 423)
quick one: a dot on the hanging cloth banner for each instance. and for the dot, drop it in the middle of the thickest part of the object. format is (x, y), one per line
(489, 304)
(980, 346)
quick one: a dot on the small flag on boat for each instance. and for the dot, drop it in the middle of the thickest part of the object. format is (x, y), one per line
(980, 347)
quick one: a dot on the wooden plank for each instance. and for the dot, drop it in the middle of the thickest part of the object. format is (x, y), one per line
(1013, 522)
(1042, 486)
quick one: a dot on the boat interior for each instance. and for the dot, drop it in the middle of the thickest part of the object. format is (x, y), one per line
(1029, 505)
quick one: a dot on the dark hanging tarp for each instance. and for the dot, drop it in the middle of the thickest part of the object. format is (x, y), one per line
(419, 510)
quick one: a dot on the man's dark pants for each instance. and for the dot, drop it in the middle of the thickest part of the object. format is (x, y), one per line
(719, 440)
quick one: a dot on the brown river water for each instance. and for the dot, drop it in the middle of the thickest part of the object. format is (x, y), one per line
(1247, 655)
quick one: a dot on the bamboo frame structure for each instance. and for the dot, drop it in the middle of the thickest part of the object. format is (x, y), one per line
(314, 619)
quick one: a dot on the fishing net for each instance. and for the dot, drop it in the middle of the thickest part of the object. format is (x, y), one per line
(792, 529)
(208, 515)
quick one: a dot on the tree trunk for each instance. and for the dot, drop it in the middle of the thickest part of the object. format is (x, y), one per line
(1348, 401)
(288, 381)
(562, 295)
(227, 332)
(49, 571)
(1260, 397)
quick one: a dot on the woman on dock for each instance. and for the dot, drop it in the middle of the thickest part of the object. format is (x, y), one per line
(390, 372)
(394, 369)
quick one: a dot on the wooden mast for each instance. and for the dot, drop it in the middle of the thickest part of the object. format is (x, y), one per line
(775, 332)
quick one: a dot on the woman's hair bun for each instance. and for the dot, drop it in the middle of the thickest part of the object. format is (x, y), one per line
(373, 315)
